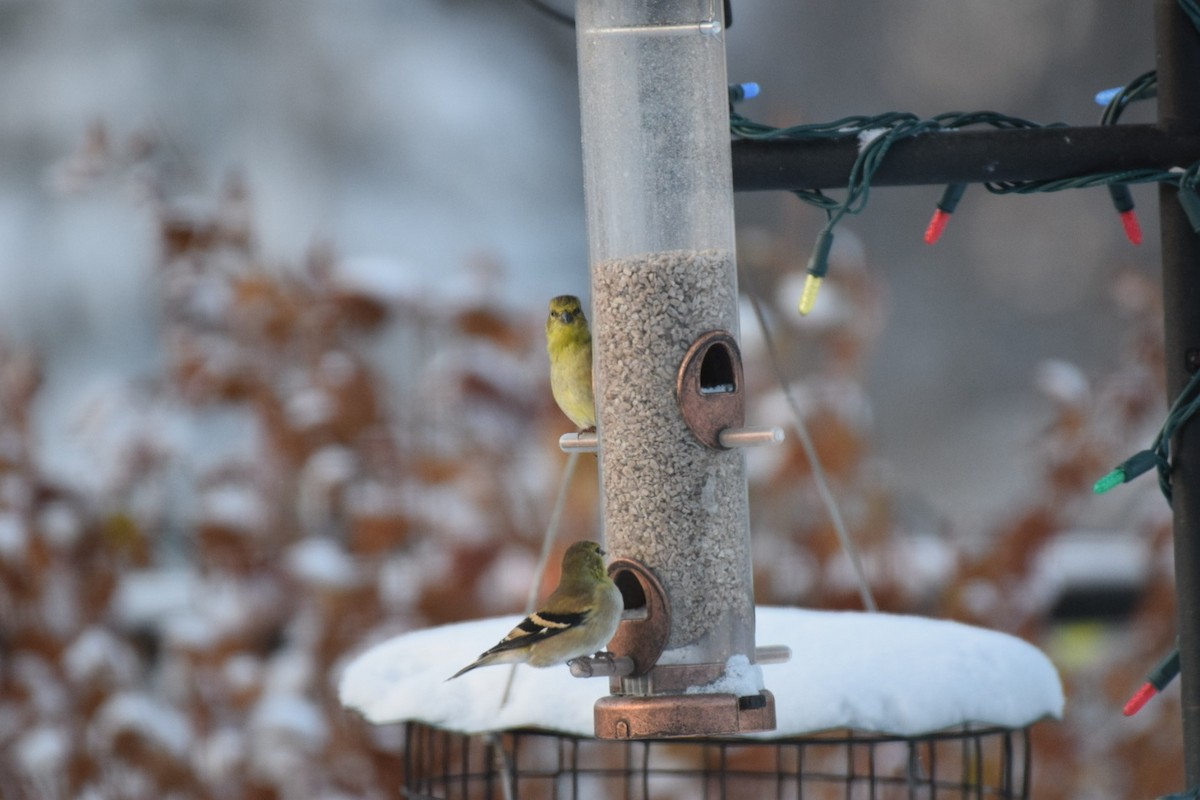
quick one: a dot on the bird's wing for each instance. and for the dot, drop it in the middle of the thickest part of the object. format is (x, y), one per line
(538, 626)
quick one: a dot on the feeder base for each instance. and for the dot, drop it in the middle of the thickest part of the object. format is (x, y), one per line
(665, 715)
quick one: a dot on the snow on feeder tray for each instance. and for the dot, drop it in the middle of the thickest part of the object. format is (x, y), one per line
(872, 705)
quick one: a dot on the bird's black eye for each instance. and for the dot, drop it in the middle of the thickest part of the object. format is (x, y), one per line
(566, 317)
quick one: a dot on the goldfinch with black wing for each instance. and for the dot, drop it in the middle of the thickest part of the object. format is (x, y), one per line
(569, 343)
(577, 619)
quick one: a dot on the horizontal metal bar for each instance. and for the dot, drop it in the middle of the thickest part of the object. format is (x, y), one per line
(602, 666)
(772, 654)
(964, 156)
(589, 441)
(749, 437)
(582, 442)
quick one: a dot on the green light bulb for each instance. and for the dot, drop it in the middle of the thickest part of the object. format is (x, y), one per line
(1114, 478)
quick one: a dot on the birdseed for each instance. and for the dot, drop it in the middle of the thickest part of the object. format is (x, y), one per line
(670, 502)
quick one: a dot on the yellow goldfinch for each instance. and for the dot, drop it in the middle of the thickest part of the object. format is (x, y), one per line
(569, 343)
(578, 619)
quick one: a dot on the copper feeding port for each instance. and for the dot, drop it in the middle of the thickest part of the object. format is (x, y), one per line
(708, 387)
(646, 621)
(651, 700)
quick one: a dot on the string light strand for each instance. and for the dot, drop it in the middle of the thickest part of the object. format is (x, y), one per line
(876, 135)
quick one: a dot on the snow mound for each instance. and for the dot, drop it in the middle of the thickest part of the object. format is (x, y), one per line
(870, 672)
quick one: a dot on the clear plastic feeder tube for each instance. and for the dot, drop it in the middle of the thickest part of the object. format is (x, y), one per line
(655, 126)
(659, 197)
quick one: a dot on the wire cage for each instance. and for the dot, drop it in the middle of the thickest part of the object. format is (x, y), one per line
(977, 762)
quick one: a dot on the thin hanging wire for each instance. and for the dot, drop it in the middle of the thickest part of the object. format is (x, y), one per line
(810, 452)
(539, 570)
(502, 760)
(560, 17)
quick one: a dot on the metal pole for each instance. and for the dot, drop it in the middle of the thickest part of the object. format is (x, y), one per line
(1179, 113)
(967, 156)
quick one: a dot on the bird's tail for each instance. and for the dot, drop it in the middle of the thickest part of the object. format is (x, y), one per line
(476, 663)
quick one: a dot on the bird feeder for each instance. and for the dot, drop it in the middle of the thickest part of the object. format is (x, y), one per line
(668, 372)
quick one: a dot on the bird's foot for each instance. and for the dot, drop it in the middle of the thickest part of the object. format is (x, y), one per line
(607, 658)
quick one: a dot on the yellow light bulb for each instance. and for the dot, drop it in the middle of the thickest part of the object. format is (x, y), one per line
(808, 297)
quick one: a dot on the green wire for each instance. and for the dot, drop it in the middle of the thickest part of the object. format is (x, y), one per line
(1142, 87)
(1192, 9)
(1182, 410)
(895, 126)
